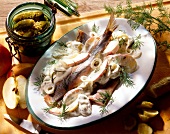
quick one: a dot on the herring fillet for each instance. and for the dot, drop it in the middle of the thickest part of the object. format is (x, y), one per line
(84, 68)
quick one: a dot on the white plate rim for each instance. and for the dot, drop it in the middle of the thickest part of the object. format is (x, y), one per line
(71, 127)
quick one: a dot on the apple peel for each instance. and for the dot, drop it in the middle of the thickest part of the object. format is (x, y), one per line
(14, 92)
(11, 98)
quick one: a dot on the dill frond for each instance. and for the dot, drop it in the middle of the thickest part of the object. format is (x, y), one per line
(64, 113)
(62, 43)
(52, 62)
(104, 99)
(125, 78)
(39, 80)
(137, 43)
(95, 28)
(143, 15)
(55, 104)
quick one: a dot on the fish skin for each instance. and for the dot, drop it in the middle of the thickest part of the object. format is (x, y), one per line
(82, 36)
(84, 68)
(90, 44)
(110, 88)
(60, 90)
(75, 76)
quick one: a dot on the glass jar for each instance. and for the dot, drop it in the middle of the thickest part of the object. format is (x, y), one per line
(35, 45)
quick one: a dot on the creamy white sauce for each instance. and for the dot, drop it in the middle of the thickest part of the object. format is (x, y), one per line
(84, 107)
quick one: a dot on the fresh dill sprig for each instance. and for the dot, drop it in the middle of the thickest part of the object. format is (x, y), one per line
(51, 62)
(55, 104)
(62, 43)
(64, 112)
(103, 110)
(39, 80)
(137, 42)
(104, 99)
(122, 41)
(125, 78)
(63, 106)
(143, 15)
(95, 28)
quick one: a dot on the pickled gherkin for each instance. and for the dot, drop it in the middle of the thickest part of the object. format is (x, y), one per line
(35, 15)
(24, 24)
(30, 23)
(41, 25)
(28, 33)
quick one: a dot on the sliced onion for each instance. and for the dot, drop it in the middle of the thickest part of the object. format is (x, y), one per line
(115, 70)
(136, 54)
(96, 63)
(84, 78)
(49, 88)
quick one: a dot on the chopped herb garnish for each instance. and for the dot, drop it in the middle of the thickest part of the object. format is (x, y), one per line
(103, 110)
(62, 43)
(95, 28)
(125, 78)
(156, 25)
(104, 99)
(52, 62)
(122, 41)
(64, 112)
(39, 81)
(137, 42)
(55, 104)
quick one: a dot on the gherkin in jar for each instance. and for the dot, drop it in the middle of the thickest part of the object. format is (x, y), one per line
(34, 14)
(30, 23)
(24, 24)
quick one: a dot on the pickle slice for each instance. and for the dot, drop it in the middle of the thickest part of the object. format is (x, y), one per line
(145, 104)
(144, 129)
(24, 24)
(35, 15)
(41, 25)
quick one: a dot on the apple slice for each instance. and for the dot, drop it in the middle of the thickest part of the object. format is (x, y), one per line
(21, 86)
(144, 128)
(14, 92)
(10, 95)
(56, 111)
(70, 108)
(111, 48)
(73, 106)
(72, 95)
(76, 60)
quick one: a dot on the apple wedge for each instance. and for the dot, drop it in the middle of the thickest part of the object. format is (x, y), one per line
(76, 60)
(70, 108)
(72, 95)
(10, 95)
(111, 48)
(14, 92)
(21, 86)
(56, 111)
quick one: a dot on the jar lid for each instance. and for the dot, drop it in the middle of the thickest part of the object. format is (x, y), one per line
(68, 7)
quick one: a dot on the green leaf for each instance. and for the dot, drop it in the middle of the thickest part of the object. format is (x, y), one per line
(125, 78)
(39, 80)
(95, 28)
(143, 15)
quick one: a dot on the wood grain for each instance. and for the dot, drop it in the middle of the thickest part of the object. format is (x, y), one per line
(84, 6)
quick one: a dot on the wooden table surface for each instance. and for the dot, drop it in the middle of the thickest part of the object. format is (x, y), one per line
(84, 6)
(113, 124)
